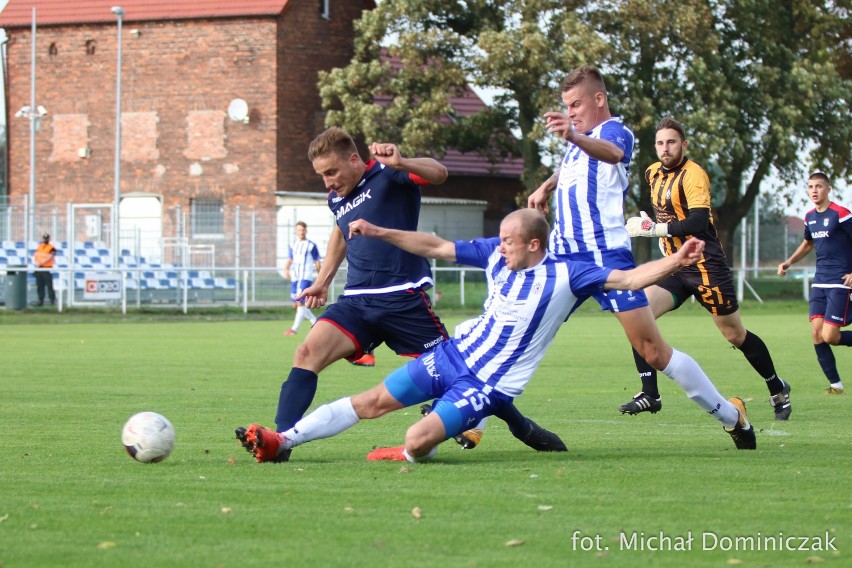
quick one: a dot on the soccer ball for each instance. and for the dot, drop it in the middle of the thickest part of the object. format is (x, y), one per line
(148, 437)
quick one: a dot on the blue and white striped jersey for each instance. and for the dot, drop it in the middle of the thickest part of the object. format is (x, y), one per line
(304, 255)
(523, 312)
(831, 233)
(588, 201)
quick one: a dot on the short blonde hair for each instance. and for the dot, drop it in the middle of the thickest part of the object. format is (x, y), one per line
(335, 140)
(583, 73)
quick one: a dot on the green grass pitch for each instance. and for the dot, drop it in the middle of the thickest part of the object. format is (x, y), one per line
(70, 496)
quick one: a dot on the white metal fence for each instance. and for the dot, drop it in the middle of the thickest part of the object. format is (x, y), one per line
(245, 288)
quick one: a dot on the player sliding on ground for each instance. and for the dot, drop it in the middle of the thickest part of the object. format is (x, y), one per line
(480, 373)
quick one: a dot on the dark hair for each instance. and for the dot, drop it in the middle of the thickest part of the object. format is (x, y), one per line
(584, 73)
(332, 141)
(822, 176)
(669, 123)
(301, 224)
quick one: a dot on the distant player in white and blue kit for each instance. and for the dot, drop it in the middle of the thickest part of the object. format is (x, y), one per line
(300, 268)
(588, 193)
(481, 372)
(828, 229)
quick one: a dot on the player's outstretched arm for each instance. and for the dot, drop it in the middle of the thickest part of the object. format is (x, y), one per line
(429, 169)
(652, 272)
(421, 244)
(801, 252)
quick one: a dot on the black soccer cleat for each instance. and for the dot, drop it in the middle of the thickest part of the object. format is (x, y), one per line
(781, 403)
(642, 403)
(742, 432)
(542, 440)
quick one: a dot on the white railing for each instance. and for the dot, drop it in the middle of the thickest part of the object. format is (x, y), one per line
(186, 288)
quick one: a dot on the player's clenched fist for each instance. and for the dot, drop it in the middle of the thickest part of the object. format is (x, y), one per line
(362, 227)
(387, 154)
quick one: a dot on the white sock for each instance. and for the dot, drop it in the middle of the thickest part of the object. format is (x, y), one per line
(480, 425)
(409, 458)
(683, 370)
(326, 421)
(837, 385)
(299, 317)
(308, 315)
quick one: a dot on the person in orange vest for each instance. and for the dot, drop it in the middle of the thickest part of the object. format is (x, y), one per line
(43, 258)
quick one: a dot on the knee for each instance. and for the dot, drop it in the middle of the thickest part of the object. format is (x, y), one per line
(735, 337)
(304, 356)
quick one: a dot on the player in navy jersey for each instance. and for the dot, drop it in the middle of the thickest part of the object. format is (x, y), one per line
(300, 268)
(680, 193)
(588, 193)
(828, 229)
(481, 372)
(385, 298)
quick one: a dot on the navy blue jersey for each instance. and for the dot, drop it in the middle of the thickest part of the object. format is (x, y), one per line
(388, 198)
(831, 233)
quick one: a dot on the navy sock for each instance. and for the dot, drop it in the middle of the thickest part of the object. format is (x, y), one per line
(648, 376)
(757, 354)
(825, 356)
(516, 421)
(297, 393)
(846, 338)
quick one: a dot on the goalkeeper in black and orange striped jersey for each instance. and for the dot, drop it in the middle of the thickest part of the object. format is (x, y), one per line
(680, 193)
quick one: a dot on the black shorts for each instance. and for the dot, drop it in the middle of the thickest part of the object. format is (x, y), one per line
(710, 283)
(403, 320)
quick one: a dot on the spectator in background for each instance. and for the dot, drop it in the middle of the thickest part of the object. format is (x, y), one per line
(43, 258)
(300, 268)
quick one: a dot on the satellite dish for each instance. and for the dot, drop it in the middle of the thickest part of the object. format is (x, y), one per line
(238, 110)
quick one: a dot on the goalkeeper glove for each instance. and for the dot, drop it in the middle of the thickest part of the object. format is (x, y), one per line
(644, 226)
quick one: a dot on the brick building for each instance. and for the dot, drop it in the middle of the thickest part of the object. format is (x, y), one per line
(184, 65)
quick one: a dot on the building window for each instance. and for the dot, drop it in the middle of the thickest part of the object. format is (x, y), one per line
(207, 218)
(91, 45)
(52, 50)
(325, 12)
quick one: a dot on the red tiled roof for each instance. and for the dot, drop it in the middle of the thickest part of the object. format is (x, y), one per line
(18, 13)
(470, 163)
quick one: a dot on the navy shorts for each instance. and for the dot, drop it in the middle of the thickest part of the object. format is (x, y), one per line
(612, 300)
(296, 288)
(831, 304)
(402, 320)
(462, 399)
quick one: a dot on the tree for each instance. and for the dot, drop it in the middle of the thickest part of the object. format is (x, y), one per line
(761, 85)
(756, 82)
(521, 47)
